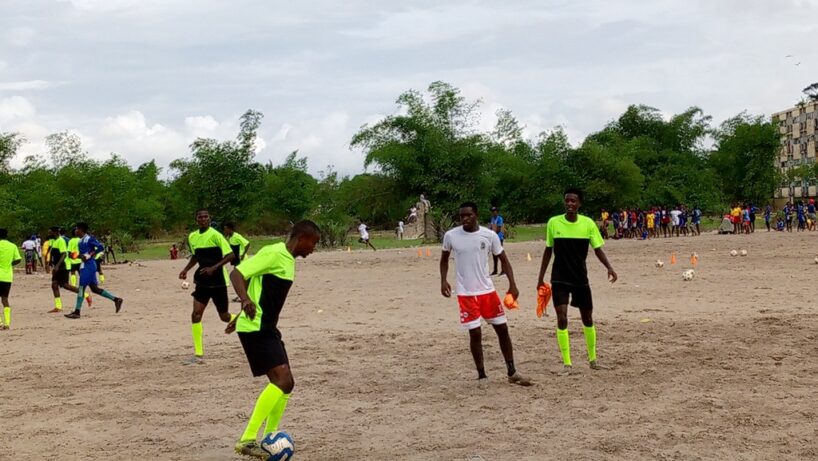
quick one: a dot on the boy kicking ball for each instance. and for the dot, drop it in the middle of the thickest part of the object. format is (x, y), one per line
(262, 283)
(476, 295)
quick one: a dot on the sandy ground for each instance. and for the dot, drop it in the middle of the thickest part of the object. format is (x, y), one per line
(718, 368)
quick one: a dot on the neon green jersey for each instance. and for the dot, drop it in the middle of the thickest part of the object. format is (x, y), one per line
(238, 243)
(74, 250)
(8, 254)
(271, 272)
(570, 241)
(209, 247)
(58, 247)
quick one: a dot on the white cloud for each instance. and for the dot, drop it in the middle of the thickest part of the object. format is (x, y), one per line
(16, 108)
(201, 125)
(21, 36)
(28, 85)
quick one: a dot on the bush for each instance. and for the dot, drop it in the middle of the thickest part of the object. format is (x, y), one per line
(334, 231)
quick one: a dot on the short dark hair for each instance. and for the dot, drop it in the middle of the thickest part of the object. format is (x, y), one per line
(471, 205)
(199, 210)
(576, 191)
(305, 227)
(54, 229)
(4, 233)
(62, 230)
(82, 226)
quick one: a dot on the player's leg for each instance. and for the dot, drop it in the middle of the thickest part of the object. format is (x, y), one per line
(100, 272)
(560, 295)
(5, 289)
(201, 297)
(75, 314)
(470, 320)
(369, 242)
(220, 300)
(491, 309)
(265, 351)
(476, 348)
(108, 295)
(59, 277)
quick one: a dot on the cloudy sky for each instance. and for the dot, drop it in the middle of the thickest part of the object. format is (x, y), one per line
(145, 77)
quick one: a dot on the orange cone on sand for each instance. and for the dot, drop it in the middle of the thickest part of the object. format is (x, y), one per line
(429, 252)
(673, 258)
(694, 259)
(420, 253)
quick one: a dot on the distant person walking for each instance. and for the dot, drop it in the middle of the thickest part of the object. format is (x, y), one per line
(496, 225)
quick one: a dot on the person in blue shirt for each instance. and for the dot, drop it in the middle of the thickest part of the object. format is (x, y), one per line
(802, 217)
(496, 225)
(811, 213)
(768, 214)
(697, 220)
(89, 247)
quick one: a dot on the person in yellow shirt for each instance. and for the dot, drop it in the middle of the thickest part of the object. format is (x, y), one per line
(9, 256)
(735, 215)
(604, 228)
(651, 222)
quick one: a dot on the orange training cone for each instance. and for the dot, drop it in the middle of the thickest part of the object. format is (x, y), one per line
(694, 259)
(429, 252)
(420, 253)
(673, 258)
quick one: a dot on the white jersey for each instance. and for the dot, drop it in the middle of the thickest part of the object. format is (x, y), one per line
(29, 245)
(400, 226)
(471, 257)
(363, 232)
(674, 216)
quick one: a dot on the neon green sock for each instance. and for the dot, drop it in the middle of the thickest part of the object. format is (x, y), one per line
(198, 349)
(73, 280)
(101, 278)
(275, 416)
(590, 341)
(267, 400)
(58, 304)
(565, 346)
(7, 315)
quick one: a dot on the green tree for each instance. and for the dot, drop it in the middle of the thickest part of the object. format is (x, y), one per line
(430, 147)
(744, 158)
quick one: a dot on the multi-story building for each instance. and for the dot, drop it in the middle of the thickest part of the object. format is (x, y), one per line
(798, 127)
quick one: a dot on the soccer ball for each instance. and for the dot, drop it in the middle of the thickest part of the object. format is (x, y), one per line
(744, 252)
(688, 275)
(733, 253)
(659, 263)
(185, 285)
(816, 260)
(279, 445)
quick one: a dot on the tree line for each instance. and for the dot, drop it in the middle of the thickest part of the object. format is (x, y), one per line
(431, 146)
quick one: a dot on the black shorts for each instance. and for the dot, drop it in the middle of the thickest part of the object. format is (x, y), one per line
(580, 295)
(5, 288)
(59, 275)
(217, 294)
(75, 267)
(264, 350)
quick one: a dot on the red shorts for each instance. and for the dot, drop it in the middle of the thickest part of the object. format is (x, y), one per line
(486, 306)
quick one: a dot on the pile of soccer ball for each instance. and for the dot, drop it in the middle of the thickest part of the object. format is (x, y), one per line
(736, 253)
(279, 445)
(688, 275)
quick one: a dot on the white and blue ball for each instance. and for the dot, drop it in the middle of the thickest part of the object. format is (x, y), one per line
(279, 445)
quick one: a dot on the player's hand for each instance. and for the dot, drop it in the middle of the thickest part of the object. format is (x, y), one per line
(208, 270)
(249, 308)
(514, 291)
(612, 277)
(446, 289)
(182, 275)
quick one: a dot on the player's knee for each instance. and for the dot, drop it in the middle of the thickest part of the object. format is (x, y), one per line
(196, 317)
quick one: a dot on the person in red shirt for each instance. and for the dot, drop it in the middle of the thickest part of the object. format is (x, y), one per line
(174, 252)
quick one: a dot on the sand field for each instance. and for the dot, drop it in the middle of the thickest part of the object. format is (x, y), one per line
(722, 367)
